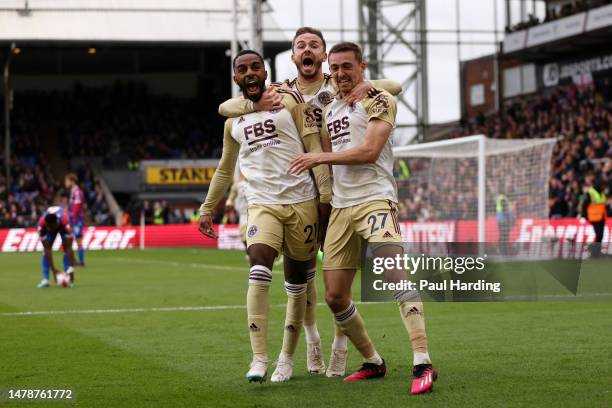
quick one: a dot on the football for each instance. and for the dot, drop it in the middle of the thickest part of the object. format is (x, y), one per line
(63, 279)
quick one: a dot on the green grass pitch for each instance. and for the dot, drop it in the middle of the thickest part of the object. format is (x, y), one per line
(128, 343)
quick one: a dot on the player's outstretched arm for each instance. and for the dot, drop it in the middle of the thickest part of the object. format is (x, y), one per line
(377, 134)
(232, 108)
(220, 181)
(367, 88)
(389, 85)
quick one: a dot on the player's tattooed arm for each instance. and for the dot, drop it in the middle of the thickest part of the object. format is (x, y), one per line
(220, 182)
(232, 108)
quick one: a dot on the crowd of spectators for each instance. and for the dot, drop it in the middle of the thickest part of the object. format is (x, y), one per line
(579, 117)
(125, 122)
(555, 12)
(157, 213)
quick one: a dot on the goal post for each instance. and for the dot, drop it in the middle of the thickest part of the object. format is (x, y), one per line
(488, 182)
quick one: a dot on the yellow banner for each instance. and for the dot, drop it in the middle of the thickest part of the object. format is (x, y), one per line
(180, 175)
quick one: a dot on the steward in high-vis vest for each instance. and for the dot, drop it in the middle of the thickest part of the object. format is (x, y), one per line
(503, 215)
(594, 210)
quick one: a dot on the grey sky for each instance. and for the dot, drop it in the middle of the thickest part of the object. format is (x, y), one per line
(443, 59)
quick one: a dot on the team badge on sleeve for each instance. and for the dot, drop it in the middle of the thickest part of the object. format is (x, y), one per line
(380, 105)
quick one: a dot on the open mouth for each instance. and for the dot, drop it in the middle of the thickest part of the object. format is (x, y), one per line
(308, 62)
(252, 86)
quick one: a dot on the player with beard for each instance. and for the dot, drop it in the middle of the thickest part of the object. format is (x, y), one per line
(317, 89)
(283, 210)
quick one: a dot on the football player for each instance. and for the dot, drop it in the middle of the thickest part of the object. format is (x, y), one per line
(76, 206)
(283, 210)
(55, 221)
(317, 89)
(357, 143)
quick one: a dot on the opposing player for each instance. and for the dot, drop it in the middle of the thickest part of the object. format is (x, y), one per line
(55, 221)
(317, 89)
(76, 207)
(282, 208)
(357, 141)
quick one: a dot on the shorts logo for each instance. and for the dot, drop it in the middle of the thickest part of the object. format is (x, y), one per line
(387, 234)
(252, 231)
(324, 97)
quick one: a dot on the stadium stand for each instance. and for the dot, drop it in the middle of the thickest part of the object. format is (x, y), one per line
(581, 117)
(557, 11)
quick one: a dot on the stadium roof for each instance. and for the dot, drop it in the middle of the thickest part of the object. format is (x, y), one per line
(148, 21)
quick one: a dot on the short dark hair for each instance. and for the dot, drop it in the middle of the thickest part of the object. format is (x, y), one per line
(244, 52)
(308, 30)
(348, 46)
(51, 218)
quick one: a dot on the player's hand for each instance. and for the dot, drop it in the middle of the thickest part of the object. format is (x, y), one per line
(229, 205)
(206, 226)
(358, 93)
(303, 162)
(270, 100)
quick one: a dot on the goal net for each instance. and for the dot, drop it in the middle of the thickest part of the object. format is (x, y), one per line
(487, 184)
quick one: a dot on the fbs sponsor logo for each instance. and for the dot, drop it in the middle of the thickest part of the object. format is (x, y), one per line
(253, 327)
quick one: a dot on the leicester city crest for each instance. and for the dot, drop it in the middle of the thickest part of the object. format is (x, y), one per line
(324, 97)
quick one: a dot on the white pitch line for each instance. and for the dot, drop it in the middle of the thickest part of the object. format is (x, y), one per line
(134, 310)
(187, 264)
(230, 307)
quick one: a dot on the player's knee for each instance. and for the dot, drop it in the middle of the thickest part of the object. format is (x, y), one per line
(261, 255)
(337, 300)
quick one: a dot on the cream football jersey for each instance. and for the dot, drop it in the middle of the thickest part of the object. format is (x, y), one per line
(345, 126)
(317, 95)
(268, 142)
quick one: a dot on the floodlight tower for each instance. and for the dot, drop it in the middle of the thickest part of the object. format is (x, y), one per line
(393, 33)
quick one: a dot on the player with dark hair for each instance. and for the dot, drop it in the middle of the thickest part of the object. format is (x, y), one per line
(318, 89)
(283, 210)
(357, 143)
(55, 221)
(76, 206)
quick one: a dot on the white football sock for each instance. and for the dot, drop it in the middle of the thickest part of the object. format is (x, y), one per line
(421, 358)
(312, 334)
